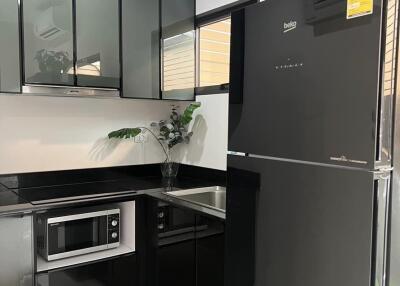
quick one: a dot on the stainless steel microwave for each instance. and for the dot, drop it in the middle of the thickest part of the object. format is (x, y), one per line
(62, 235)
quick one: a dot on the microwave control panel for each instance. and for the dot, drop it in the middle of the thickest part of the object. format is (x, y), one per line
(113, 228)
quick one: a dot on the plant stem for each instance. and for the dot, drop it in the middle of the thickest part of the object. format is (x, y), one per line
(158, 140)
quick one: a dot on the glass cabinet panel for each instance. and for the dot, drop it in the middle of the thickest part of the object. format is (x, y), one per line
(9, 46)
(141, 48)
(16, 259)
(48, 42)
(97, 38)
(178, 49)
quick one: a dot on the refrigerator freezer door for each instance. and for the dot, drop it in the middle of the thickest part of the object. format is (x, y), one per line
(312, 225)
(311, 89)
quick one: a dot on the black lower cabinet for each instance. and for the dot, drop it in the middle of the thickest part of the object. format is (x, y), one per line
(177, 264)
(114, 272)
(125, 271)
(175, 246)
(210, 245)
(188, 248)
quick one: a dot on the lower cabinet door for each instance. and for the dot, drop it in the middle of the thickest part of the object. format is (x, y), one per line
(177, 264)
(210, 244)
(125, 271)
(16, 251)
(116, 272)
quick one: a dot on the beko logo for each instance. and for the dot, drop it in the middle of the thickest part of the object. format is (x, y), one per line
(287, 27)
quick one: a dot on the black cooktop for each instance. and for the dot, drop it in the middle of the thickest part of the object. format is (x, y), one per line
(52, 194)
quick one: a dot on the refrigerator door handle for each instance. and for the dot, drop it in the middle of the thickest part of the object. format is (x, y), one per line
(380, 231)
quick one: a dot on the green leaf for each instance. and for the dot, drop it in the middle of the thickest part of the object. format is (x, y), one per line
(187, 116)
(125, 133)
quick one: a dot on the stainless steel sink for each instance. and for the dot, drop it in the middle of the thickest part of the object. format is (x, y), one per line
(212, 197)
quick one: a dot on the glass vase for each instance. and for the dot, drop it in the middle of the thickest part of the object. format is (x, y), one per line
(169, 168)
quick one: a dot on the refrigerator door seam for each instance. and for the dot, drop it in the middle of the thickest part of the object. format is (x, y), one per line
(308, 163)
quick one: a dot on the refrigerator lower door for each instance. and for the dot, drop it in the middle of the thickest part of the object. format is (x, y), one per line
(292, 224)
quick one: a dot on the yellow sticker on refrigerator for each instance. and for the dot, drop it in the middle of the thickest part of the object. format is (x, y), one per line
(358, 8)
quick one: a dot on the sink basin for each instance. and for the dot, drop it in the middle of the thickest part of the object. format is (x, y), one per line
(212, 197)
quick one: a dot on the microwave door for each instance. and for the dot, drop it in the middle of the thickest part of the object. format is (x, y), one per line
(76, 237)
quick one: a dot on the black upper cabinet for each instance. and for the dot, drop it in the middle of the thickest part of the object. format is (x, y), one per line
(72, 43)
(144, 48)
(9, 46)
(143, 54)
(141, 49)
(48, 42)
(97, 42)
(178, 53)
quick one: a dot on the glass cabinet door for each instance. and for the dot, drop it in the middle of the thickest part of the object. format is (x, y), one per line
(48, 42)
(16, 259)
(9, 46)
(141, 49)
(178, 49)
(97, 39)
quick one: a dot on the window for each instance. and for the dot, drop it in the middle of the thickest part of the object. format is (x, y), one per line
(214, 53)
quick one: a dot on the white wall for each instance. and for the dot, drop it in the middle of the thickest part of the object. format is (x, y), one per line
(207, 5)
(54, 133)
(209, 144)
(59, 133)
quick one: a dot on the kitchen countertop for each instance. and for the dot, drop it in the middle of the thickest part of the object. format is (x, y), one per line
(43, 198)
(12, 203)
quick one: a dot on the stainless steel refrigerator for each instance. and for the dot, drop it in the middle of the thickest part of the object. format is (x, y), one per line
(312, 145)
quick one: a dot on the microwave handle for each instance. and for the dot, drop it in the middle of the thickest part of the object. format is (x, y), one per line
(81, 216)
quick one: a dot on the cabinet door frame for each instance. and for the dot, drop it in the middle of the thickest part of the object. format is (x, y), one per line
(19, 47)
(50, 88)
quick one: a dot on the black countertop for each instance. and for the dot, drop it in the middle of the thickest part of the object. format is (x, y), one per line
(52, 194)
(43, 198)
(32, 192)
(10, 202)
(9, 198)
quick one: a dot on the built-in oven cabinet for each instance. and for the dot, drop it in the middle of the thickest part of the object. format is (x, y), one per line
(120, 271)
(16, 250)
(176, 246)
(210, 251)
(188, 248)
